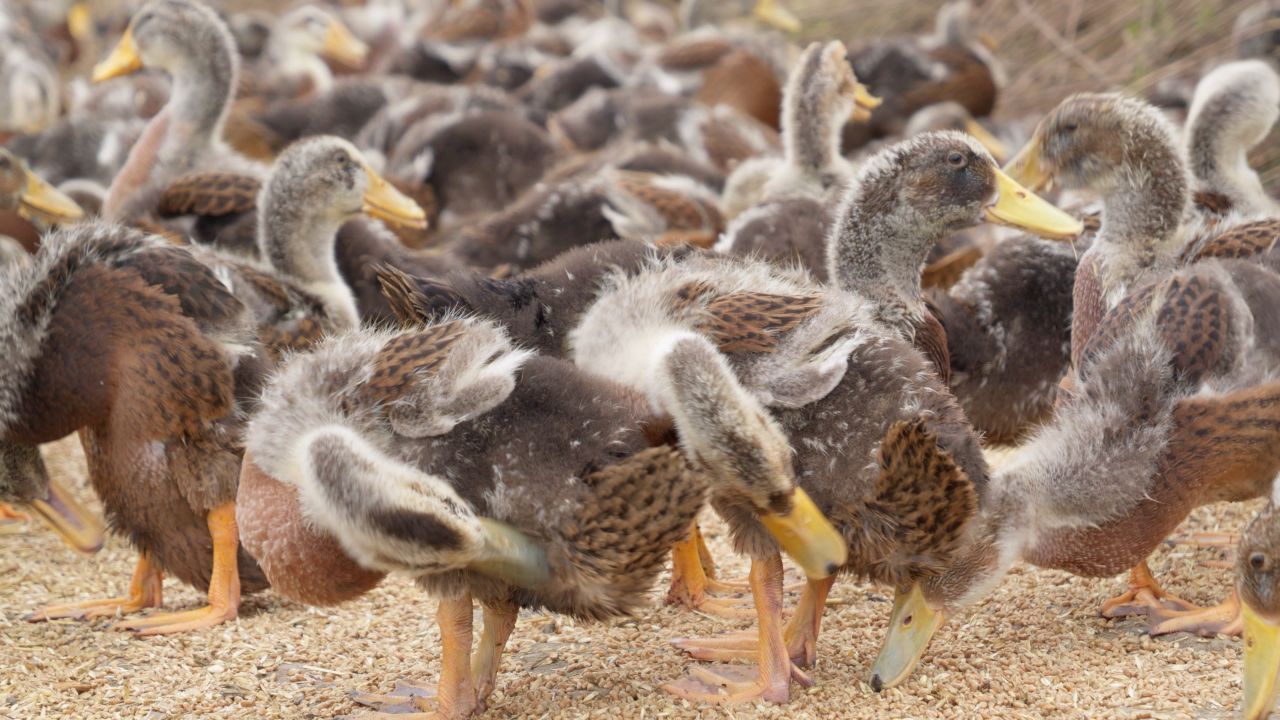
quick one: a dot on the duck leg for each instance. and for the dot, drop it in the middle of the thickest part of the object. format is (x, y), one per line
(224, 584)
(1143, 596)
(801, 634)
(689, 583)
(772, 677)
(1224, 618)
(145, 591)
(9, 514)
(498, 624)
(455, 697)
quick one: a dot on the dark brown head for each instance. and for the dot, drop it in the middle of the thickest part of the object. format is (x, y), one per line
(24, 192)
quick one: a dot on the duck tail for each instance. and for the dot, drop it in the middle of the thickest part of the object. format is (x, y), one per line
(618, 543)
(923, 502)
(415, 300)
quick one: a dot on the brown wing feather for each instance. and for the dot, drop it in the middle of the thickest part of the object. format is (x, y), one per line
(746, 82)
(693, 54)
(1211, 202)
(414, 300)
(679, 210)
(1194, 322)
(931, 339)
(752, 322)
(408, 356)
(209, 194)
(1242, 241)
(1117, 321)
(1226, 447)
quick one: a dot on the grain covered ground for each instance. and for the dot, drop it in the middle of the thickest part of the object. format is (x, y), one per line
(1035, 649)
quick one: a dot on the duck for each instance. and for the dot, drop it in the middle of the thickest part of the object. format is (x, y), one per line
(954, 63)
(158, 410)
(1253, 33)
(292, 284)
(1175, 406)
(1259, 593)
(1233, 110)
(412, 451)
(291, 64)
(192, 44)
(31, 89)
(29, 205)
(821, 94)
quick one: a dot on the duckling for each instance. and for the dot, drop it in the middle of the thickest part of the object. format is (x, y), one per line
(28, 204)
(954, 63)
(32, 95)
(296, 292)
(1176, 407)
(1259, 592)
(821, 95)
(1254, 33)
(446, 453)
(291, 64)
(141, 348)
(1233, 110)
(192, 44)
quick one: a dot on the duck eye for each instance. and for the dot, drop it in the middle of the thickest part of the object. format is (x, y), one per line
(1071, 126)
(1257, 561)
(957, 159)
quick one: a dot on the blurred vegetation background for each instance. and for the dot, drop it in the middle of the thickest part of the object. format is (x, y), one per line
(1052, 48)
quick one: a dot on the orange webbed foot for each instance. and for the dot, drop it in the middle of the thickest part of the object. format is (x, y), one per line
(1224, 618)
(1143, 597)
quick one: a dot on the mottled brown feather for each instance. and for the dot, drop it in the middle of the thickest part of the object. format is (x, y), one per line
(679, 210)
(752, 322)
(211, 194)
(409, 356)
(1087, 306)
(1242, 241)
(931, 339)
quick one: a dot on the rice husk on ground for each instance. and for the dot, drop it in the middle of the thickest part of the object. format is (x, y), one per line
(1035, 648)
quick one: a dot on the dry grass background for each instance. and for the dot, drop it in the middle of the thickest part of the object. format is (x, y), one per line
(1035, 649)
(1053, 48)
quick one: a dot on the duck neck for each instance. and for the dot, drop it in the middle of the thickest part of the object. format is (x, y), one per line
(1221, 163)
(1141, 218)
(202, 91)
(879, 255)
(812, 134)
(299, 242)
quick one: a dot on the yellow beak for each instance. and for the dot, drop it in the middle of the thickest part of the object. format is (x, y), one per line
(1015, 206)
(41, 201)
(1261, 663)
(911, 626)
(770, 12)
(808, 537)
(992, 143)
(385, 202)
(80, 528)
(863, 103)
(344, 47)
(1027, 168)
(124, 59)
(80, 21)
(511, 556)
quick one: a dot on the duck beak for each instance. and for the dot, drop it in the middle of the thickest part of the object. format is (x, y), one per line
(511, 556)
(808, 537)
(124, 59)
(1029, 169)
(80, 22)
(1261, 663)
(344, 47)
(911, 626)
(992, 143)
(42, 201)
(385, 202)
(1015, 206)
(75, 523)
(770, 12)
(863, 103)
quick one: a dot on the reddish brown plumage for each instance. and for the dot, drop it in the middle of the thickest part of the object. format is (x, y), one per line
(931, 339)
(744, 81)
(406, 356)
(754, 322)
(209, 193)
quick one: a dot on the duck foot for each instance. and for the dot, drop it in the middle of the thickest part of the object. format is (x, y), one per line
(1224, 618)
(1143, 596)
(145, 591)
(11, 516)
(405, 700)
(771, 678)
(801, 634)
(224, 584)
(689, 585)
